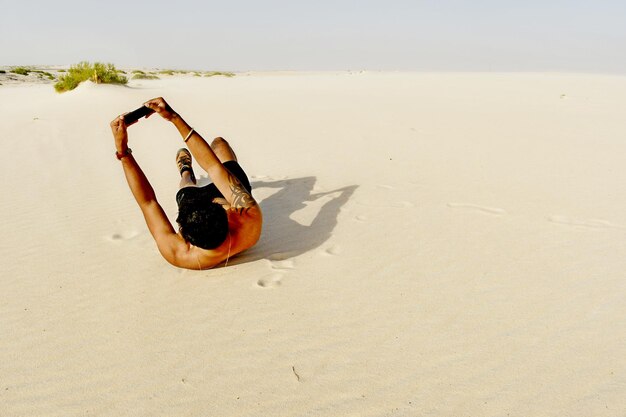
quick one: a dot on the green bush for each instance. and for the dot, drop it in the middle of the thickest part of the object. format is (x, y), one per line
(99, 73)
(61, 70)
(20, 71)
(107, 74)
(75, 75)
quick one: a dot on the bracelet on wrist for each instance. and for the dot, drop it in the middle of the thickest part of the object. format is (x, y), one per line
(120, 155)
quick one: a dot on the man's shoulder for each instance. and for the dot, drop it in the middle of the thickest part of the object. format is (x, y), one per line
(244, 218)
(246, 226)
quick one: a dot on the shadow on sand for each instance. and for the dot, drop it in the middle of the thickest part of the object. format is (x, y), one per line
(283, 237)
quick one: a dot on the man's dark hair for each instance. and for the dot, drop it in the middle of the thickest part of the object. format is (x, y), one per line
(205, 227)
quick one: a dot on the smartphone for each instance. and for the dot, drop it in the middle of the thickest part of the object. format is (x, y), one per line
(133, 116)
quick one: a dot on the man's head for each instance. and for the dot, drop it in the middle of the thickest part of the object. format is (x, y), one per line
(204, 226)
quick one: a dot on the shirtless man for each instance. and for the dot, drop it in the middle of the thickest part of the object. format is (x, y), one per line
(216, 221)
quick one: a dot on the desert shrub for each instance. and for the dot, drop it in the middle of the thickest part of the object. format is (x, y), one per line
(61, 70)
(74, 76)
(166, 72)
(20, 70)
(99, 73)
(143, 76)
(107, 74)
(3, 72)
(138, 72)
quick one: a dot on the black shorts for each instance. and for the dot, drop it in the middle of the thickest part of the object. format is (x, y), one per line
(206, 194)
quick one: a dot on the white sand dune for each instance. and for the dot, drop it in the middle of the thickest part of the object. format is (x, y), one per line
(434, 245)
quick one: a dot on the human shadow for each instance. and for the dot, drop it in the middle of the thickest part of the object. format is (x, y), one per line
(284, 237)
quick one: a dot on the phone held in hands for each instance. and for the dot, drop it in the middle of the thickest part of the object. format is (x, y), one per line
(133, 116)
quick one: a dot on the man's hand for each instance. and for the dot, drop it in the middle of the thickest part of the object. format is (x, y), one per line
(120, 135)
(160, 106)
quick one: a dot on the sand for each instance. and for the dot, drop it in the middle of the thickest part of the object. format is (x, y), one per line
(434, 245)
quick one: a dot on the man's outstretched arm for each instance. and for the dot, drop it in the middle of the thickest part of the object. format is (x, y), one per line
(167, 240)
(232, 189)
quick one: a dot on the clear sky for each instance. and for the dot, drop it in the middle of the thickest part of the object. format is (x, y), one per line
(448, 35)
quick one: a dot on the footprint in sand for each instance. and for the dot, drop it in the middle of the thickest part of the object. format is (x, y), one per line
(385, 186)
(483, 209)
(361, 218)
(282, 265)
(272, 281)
(280, 256)
(116, 237)
(587, 223)
(332, 250)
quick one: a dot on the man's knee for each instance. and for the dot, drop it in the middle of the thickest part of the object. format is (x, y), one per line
(219, 142)
(223, 150)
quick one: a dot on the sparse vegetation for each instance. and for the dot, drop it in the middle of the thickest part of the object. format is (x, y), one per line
(43, 73)
(3, 72)
(20, 70)
(144, 76)
(214, 73)
(61, 70)
(97, 72)
(172, 72)
(137, 72)
(197, 73)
